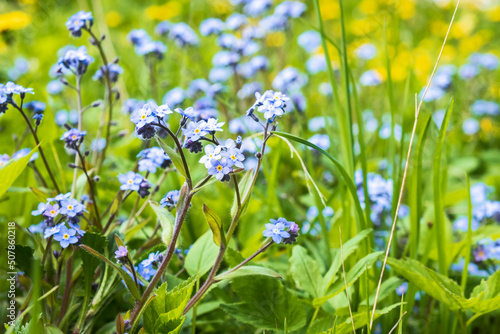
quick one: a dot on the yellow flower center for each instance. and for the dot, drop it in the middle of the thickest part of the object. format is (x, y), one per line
(143, 116)
(73, 137)
(130, 181)
(197, 131)
(233, 157)
(66, 236)
(70, 207)
(52, 212)
(219, 168)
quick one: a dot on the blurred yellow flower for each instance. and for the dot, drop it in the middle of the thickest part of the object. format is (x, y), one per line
(14, 20)
(221, 6)
(406, 9)
(368, 7)
(113, 19)
(275, 39)
(494, 14)
(363, 27)
(329, 9)
(486, 125)
(165, 11)
(399, 72)
(28, 2)
(464, 27)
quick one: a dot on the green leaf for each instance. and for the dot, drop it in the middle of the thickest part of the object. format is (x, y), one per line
(266, 304)
(90, 263)
(215, 224)
(201, 256)
(348, 248)
(11, 172)
(129, 282)
(488, 295)
(356, 271)
(40, 194)
(167, 222)
(52, 330)
(174, 156)
(436, 285)
(248, 271)
(164, 312)
(306, 273)
(24, 258)
(345, 176)
(360, 320)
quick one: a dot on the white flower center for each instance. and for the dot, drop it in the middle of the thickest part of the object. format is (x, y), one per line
(276, 231)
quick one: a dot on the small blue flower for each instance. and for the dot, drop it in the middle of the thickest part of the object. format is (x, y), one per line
(73, 138)
(370, 78)
(151, 48)
(163, 28)
(147, 165)
(174, 97)
(211, 152)
(170, 200)
(468, 71)
(49, 231)
(195, 130)
(256, 7)
(24, 152)
(470, 126)
(146, 271)
(366, 51)
(121, 253)
(400, 290)
(78, 21)
(152, 258)
(211, 26)
(271, 103)
(138, 37)
(292, 9)
(113, 69)
(183, 35)
(40, 210)
(66, 236)
(60, 197)
(482, 107)
(234, 156)
(130, 181)
(51, 210)
(144, 116)
(77, 228)
(71, 207)
(220, 168)
(289, 79)
(212, 125)
(77, 61)
(236, 21)
(309, 40)
(276, 232)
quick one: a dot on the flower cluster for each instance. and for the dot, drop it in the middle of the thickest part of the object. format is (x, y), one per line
(181, 33)
(221, 159)
(113, 70)
(134, 182)
(73, 138)
(153, 158)
(281, 230)
(271, 104)
(61, 216)
(76, 61)
(146, 268)
(8, 90)
(170, 199)
(37, 108)
(144, 46)
(79, 21)
(380, 194)
(146, 115)
(483, 209)
(196, 131)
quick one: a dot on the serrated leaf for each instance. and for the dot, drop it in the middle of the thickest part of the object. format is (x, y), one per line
(266, 304)
(11, 172)
(174, 156)
(215, 224)
(129, 282)
(248, 271)
(436, 285)
(166, 308)
(305, 272)
(201, 256)
(167, 221)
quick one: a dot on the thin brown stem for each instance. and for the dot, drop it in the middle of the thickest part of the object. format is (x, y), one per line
(92, 190)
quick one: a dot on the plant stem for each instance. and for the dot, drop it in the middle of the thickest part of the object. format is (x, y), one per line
(33, 132)
(92, 190)
(163, 266)
(80, 121)
(67, 291)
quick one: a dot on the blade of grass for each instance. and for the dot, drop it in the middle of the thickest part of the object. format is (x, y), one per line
(417, 111)
(345, 279)
(468, 242)
(437, 183)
